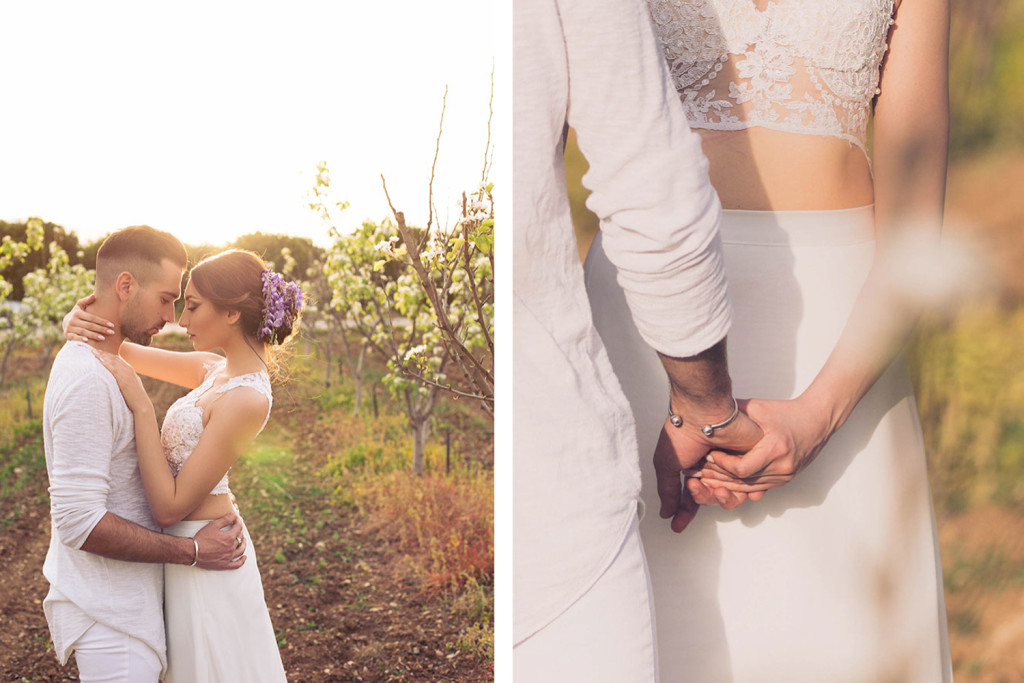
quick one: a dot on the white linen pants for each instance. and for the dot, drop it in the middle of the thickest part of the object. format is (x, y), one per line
(607, 636)
(103, 654)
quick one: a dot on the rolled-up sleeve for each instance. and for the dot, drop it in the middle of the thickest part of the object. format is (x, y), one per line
(648, 176)
(80, 473)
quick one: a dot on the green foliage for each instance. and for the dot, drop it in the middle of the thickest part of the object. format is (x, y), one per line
(280, 249)
(454, 269)
(21, 463)
(49, 293)
(986, 70)
(14, 251)
(969, 379)
(385, 307)
(990, 567)
(442, 520)
(21, 250)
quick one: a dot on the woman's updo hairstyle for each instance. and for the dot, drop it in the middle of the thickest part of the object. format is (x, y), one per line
(239, 280)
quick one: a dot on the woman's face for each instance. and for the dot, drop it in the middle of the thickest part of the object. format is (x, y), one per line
(208, 328)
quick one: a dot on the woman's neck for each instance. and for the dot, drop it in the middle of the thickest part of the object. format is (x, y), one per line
(244, 356)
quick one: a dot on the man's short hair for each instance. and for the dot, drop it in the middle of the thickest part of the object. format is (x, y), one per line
(137, 249)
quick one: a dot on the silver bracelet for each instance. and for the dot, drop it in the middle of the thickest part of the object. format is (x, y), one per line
(708, 430)
(196, 560)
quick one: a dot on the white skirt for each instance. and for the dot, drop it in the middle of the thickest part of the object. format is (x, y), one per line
(218, 627)
(835, 576)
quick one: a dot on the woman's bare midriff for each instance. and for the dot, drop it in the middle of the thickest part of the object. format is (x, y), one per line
(212, 507)
(767, 170)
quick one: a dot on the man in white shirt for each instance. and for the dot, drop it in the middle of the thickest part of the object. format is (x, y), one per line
(104, 563)
(582, 608)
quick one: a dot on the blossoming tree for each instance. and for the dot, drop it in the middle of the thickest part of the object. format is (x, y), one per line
(422, 298)
(50, 292)
(383, 307)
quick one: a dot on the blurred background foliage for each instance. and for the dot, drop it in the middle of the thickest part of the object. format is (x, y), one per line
(986, 75)
(968, 364)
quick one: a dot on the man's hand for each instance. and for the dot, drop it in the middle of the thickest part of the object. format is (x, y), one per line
(682, 449)
(220, 547)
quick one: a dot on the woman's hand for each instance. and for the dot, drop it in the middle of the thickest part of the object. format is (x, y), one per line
(127, 381)
(794, 433)
(80, 325)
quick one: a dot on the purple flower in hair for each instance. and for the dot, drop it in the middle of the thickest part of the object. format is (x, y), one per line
(282, 302)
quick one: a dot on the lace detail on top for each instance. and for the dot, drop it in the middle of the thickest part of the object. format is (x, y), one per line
(802, 66)
(183, 424)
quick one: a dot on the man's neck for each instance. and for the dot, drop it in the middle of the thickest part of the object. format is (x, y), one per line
(112, 340)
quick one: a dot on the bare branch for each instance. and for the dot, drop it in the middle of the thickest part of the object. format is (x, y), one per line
(437, 150)
(490, 116)
(412, 374)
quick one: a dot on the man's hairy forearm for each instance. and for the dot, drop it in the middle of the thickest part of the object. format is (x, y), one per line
(701, 382)
(119, 539)
(701, 377)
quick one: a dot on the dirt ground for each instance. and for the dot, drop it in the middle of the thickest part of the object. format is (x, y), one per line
(983, 565)
(342, 606)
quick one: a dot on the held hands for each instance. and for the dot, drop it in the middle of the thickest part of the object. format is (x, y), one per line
(127, 381)
(680, 450)
(80, 325)
(794, 433)
(221, 543)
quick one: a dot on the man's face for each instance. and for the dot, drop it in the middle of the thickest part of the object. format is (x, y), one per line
(152, 304)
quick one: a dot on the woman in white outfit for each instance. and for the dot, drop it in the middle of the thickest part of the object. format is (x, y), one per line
(218, 626)
(834, 576)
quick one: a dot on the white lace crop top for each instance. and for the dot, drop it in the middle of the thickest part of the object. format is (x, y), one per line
(802, 66)
(183, 424)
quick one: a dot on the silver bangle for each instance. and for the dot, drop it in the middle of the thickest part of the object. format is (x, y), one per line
(708, 430)
(196, 560)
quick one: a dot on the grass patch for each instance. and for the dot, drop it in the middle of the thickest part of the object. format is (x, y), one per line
(443, 520)
(964, 622)
(22, 464)
(969, 381)
(990, 568)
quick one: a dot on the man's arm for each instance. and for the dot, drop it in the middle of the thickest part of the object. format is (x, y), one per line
(648, 177)
(120, 539)
(659, 221)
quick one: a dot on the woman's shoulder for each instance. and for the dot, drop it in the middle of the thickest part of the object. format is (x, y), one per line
(246, 398)
(259, 380)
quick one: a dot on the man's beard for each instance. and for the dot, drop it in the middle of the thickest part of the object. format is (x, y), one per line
(134, 328)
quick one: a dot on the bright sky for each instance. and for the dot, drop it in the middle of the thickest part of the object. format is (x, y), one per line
(207, 119)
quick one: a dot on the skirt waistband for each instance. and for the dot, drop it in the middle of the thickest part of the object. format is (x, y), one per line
(187, 528)
(835, 227)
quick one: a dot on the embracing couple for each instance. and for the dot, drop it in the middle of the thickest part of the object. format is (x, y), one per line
(132, 602)
(728, 151)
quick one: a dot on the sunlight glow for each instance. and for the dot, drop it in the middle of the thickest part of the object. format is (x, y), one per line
(208, 119)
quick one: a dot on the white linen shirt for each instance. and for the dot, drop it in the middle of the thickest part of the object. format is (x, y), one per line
(89, 439)
(595, 65)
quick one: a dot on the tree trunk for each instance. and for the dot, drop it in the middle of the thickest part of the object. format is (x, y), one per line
(327, 353)
(7, 356)
(48, 354)
(420, 432)
(357, 375)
